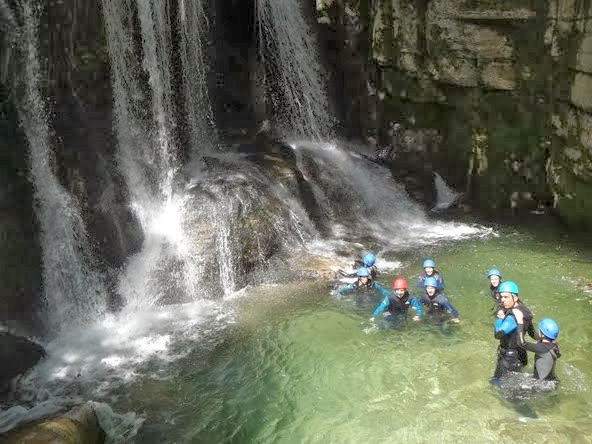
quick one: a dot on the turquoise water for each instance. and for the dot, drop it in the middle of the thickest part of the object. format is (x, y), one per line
(301, 366)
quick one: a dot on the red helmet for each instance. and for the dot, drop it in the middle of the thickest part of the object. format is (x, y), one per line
(400, 282)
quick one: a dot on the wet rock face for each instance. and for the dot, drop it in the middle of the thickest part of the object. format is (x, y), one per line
(409, 157)
(20, 252)
(507, 84)
(77, 426)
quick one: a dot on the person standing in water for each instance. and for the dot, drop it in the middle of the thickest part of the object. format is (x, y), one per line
(364, 286)
(429, 268)
(435, 301)
(546, 349)
(399, 303)
(511, 358)
(495, 279)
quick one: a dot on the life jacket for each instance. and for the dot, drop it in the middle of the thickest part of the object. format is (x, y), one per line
(434, 303)
(399, 305)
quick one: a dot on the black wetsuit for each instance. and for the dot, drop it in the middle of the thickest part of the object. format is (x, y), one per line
(495, 295)
(511, 356)
(546, 353)
(508, 359)
(528, 328)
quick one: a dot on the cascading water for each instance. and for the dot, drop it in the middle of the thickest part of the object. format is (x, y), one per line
(192, 19)
(148, 149)
(289, 52)
(73, 290)
(156, 44)
(363, 204)
(220, 230)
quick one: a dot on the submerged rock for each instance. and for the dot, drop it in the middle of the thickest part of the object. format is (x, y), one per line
(78, 426)
(17, 355)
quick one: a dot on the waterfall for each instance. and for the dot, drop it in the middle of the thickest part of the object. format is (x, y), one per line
(445, 196)
(289, 51)
(192, 19)
(148, 149)
(156, 44)
(73, 291)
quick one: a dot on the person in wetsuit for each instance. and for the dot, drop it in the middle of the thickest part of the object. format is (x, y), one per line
(546, 350)
(429, 268)
(435, 301)
(364, 288)
(495, 279)
(368, 261)
(511, 358)
(399, 303)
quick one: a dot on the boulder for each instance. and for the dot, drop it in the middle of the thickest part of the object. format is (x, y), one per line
(78, 426)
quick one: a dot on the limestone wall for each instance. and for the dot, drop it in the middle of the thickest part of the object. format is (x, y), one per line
(507, 82)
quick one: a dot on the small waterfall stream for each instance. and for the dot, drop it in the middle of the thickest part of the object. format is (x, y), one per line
(73, 289)
(289, 51)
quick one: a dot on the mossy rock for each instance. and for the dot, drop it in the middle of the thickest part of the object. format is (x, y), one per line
(79, 426)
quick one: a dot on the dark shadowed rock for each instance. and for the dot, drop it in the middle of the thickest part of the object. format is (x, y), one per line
(17, 355)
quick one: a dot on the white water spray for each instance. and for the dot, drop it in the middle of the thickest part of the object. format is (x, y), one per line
(289, 51)
(148, 150)
(445, 196)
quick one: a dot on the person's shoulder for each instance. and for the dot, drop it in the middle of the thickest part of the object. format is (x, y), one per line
(525, 310)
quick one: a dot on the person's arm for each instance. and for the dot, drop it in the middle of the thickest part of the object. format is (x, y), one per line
(347, 275)
(384, 292)
(382, 307)
(503, 327)
(531, 331)
(538, 347)
(449, 307)
(521, 320)
(441, 281)
(344, 290)
(417, 307)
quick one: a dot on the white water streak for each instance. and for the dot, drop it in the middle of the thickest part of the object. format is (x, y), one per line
(288, 48)
(72, 290)
(156, 39)
(192, 19)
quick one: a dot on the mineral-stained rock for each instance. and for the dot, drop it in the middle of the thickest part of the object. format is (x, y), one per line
(78, 426)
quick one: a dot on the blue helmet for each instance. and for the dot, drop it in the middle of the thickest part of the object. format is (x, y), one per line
(363, 272)
(494, 272)
(369, 259)
(429, 263)
(549, 328)
(431, 282)
(508, 287)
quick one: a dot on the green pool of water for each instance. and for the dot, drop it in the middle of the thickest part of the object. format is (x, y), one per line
(300, 366)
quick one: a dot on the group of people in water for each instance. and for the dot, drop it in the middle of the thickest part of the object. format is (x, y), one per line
(512, 318)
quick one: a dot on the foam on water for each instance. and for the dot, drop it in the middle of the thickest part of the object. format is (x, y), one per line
(96, 361)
